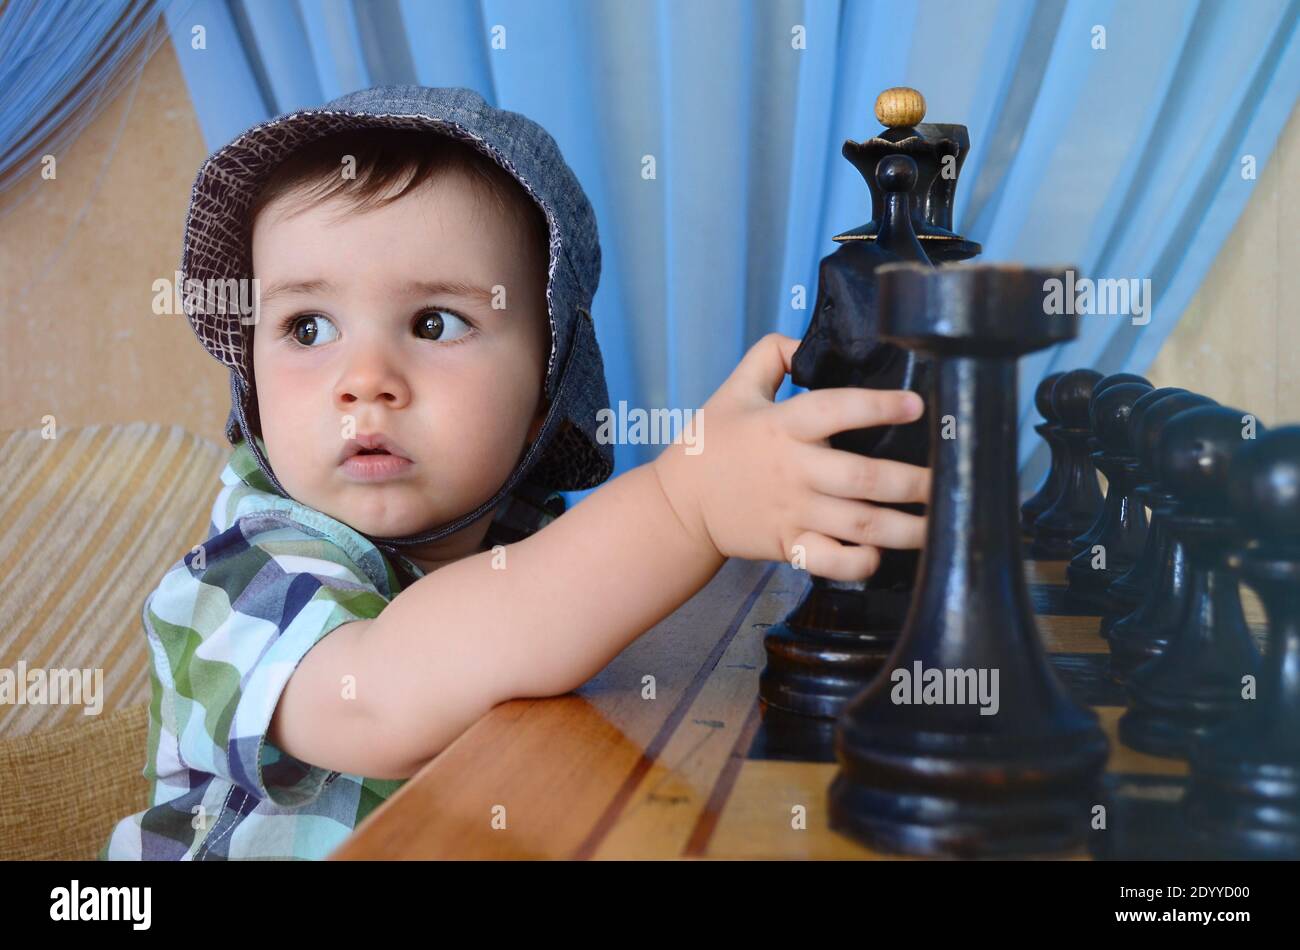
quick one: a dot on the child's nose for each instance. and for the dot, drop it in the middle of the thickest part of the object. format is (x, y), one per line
(372, 376)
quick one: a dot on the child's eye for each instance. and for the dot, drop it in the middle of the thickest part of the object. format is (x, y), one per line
(304, 328)
(442, 325)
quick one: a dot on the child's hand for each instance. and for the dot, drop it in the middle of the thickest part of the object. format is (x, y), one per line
(764, 479)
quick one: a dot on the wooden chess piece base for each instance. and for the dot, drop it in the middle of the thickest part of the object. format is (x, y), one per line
(830, 647)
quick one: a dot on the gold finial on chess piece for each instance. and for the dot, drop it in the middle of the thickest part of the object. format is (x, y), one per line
(900, 106)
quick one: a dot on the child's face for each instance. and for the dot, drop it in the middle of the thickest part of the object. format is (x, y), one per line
(461, 399)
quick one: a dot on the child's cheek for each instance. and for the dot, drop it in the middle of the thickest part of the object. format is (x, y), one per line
(292, 398)
(482, 434)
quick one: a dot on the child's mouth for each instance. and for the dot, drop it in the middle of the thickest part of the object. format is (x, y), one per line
(374, 465)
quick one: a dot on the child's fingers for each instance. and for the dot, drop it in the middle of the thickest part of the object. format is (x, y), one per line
(827, 557)
(767, 363)
(861, 523)
(819, 414)
(849, 475)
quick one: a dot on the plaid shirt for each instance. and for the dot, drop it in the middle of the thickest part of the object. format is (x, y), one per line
(227, 626)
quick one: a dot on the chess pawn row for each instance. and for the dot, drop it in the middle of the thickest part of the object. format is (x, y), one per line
(1243, 797)
(1078, 501)
(1145, 633)
(1051, 486)
(1130, 591)
(1197, 682)
(1069, 489)
(1115, 541)
(1095, 444)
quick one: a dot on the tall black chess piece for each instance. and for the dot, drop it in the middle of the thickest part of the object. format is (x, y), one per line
(1051, 486)
(1076, 507)
(967, 744)
(835, 640)
(1197, 683)
(1112, 547)
(1243, 796)
(1145, 634)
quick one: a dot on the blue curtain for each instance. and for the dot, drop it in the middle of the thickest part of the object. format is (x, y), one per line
(1105, 134)
(59, 64)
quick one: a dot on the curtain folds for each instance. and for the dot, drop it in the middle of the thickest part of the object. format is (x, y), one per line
(1105, 134)
(60, 62)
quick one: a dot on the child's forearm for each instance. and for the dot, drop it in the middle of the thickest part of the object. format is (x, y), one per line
(565, 602)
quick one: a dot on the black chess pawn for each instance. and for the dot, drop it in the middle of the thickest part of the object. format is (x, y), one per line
(1197, 682)
(1144, 634)
(837, 638)
(1051, 486)
(1089, 537)
(1115, 379)
(1128, 591)
(967, 744)
(1076, 507)
(1113, 546)
(1243, 795)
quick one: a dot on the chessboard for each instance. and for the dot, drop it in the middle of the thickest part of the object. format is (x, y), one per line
(751, 723)
(697, 768)
(783, 761)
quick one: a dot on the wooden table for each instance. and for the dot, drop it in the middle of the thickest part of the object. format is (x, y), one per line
(608, 773)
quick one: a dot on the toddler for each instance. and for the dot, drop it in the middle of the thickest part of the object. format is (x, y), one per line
(387, 560)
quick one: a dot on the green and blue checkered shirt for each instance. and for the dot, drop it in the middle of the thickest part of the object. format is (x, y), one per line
(227, 626)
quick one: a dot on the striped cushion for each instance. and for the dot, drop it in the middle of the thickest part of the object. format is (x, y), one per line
(89, 523)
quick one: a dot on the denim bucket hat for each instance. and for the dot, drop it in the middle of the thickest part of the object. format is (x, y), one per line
(566, 455)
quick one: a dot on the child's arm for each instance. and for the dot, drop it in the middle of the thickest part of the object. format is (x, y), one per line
(467, 636)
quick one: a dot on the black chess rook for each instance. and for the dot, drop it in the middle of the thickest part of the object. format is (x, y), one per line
(967, 743)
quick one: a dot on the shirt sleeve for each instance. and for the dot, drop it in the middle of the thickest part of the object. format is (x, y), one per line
(228, 625)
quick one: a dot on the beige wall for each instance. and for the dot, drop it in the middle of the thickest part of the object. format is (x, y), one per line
(78, 259)
(82, 342)
(1237, 341)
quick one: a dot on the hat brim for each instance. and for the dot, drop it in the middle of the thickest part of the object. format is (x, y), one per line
(216, 249)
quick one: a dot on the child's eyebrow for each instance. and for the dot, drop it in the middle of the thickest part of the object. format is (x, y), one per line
(412, 288)
(453, 288)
